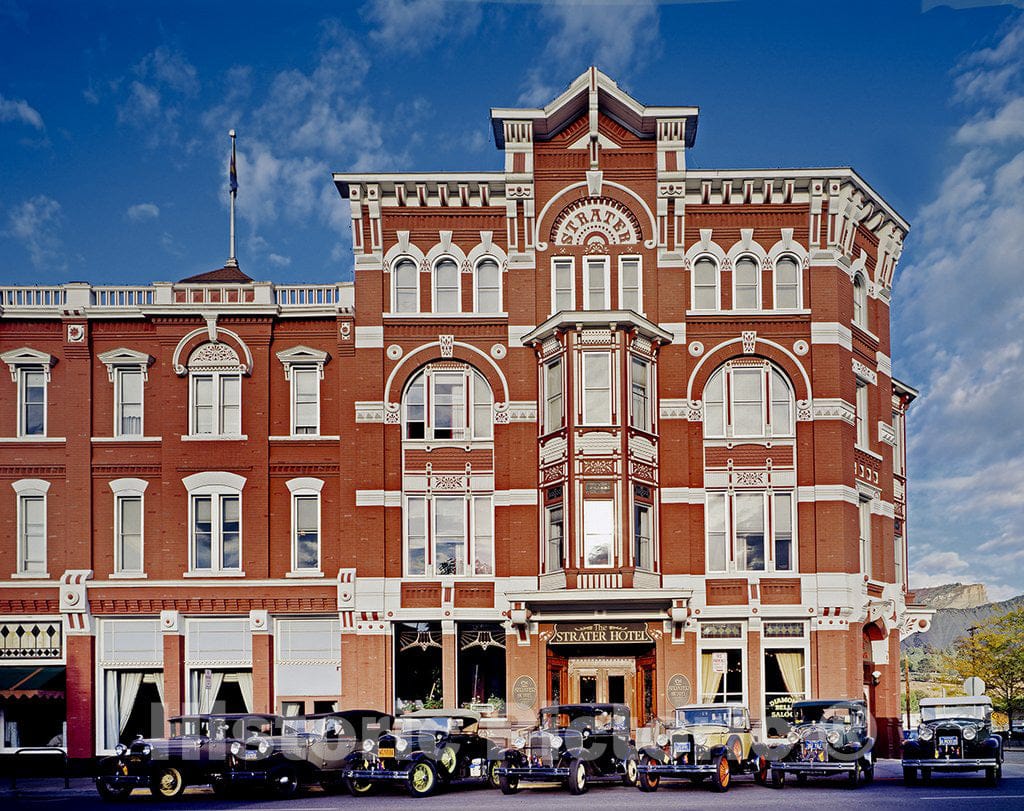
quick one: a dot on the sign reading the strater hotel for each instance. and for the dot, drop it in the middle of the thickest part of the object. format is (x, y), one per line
(598, 634)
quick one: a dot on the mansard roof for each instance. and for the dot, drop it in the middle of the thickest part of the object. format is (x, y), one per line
(593, 91)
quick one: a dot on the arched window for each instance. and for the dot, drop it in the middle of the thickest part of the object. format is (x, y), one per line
(487, 293)
(787, 283)
(748, 398)
(746, 284)
(705, 284)
(215, 384)
(447, 290)
(405, 287)
(448, 401)
(860, 301)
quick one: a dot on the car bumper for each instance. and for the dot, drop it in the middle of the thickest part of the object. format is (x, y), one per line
(797, 767)
(125, 780)
(246, 778)
(540, 774)
(371, 775)
(676, 769)
(951, 764)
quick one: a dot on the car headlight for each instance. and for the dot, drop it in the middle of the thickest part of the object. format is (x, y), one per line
(263, 746)
(556, 742)
(662, 740)
(701, 739)
(146, 750)
(236, 748)
(793, 736)
(970, 733)
(120, 750)
(368, 745)
(519, 742)
(401, 744)
(833, 737)
(925, 733)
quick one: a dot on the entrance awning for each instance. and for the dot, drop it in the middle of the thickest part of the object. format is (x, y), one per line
(27, 681)
(597, 604)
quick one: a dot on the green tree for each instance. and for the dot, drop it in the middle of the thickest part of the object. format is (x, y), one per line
(995, 653)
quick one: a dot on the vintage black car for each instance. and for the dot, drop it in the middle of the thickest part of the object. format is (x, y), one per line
(828, 737)
(195, 754)
(705, 740)
(427, 750)
(955, 735)
(310, 749)
(576, 744)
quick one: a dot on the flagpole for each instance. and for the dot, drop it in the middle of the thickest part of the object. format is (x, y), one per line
(233, 179)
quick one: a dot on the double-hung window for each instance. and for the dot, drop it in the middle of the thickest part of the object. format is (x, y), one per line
(597, 388)
(128, 371)
(598, 532)
(595, 283)
(449, 535)
(643, 541)
(215, 522)
(748, 399)
(30, 370)
(862, 415)
(860, 301)
(705, 284)
(31, 526)
(554, 535)
(630, 284)
(128, 525)
(488, 287)
(305, 495)
(215, 382)
(563, 284)
(448, 403)
(447, 287)
(746, 288)
(750, 531)
(640, 394)
(864, 524)
(554, 417)
(304, 369)
(405, 287)
(787, 283)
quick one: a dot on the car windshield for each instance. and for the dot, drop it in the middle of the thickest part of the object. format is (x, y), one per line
(976, 712)
(428, 725)
(190, 727)
(828, 714)
(240, 728)
(596, 719)
(701, 717)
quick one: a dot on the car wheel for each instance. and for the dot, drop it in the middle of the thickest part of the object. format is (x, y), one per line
(646, 781)
(853, 776)
(509, 784)
(630, 772)
(492, 773)
(447, 763)
(222, 789)
(360, 788)
(926, 775)
(332, 786)
(868, 769)
(801, 778)
(577, 776)
(909, 776)
(721, 777)
(422, 779)
(167, 783)
(778, 778)
(285, 782)
(110, 792)
(759, 767)
(992, 775)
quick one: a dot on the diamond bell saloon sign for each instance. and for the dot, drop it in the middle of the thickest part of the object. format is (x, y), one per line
(630, 633)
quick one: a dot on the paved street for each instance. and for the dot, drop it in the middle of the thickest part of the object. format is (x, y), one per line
(887, 791)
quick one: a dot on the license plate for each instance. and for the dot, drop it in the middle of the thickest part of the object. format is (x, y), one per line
(387, 752)
(948, 740)
(679, 748)
(814, 750)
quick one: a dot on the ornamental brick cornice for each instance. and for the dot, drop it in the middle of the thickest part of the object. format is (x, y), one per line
(30, 606)
(212, 605)
(32, 472)
(126, 470)
(303, 468)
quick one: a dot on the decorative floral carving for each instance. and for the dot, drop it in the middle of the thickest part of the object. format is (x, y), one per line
(392, 414)
(749, 338)
(447, 344)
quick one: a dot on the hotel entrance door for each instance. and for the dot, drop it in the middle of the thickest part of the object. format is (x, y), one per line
(602, 679)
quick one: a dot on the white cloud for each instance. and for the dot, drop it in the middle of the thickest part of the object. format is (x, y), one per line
(19, 111)
(1005, 124)
(420, 25)
(36, 225)
(170, 68)
(155, 101)
(143, 211)
(279, 261)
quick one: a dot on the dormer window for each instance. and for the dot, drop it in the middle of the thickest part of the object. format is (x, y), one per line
(30, 371)
(304, 369)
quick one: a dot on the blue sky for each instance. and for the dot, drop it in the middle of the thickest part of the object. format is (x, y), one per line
(113, 156)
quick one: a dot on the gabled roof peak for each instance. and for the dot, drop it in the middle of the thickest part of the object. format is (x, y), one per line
(593, 91)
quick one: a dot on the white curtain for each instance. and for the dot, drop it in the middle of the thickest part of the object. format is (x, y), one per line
(158, 680)
(791, 665)
(709, 680)
(245, 686)
(128, 684)
(111, 714)
(200, 695)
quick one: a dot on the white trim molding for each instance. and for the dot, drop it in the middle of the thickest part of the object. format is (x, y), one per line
(26, 356)
(831, 332)
(682, 495)
(370, 337)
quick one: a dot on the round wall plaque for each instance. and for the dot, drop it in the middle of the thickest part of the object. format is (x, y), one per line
(678, 690)
(524, 692)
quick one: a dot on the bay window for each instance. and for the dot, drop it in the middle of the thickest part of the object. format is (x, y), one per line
(643, 541)
(554, 535)
(554, 417)
(597, 388)
(598, 531)
(750, 531)
(640, 398)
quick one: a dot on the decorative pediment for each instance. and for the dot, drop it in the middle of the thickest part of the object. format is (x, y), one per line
(125, 357)
(214, 356)
(26, 356)
(302, 356)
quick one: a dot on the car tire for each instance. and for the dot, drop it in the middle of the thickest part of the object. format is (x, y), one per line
(284, 781)
(223, 790)
(577, 776)
(630, 773)
(492, 773)
(992, 775)
(422, 779)
(447, 763)
(868, 770)
(509, 784)
(647, 782)
(853, 776)
(112, 794)
(778, 778)
(759, 768)
(167, 783)
(359, 788)
(926, 775)
(909, 776)
(722, 776)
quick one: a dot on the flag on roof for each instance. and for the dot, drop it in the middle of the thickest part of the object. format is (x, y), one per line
(233, 170)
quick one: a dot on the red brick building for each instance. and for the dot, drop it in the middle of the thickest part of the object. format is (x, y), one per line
(594, 427)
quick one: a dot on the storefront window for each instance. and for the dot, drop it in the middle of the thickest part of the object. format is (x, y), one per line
(783, 682)
(418, 662)
(133, 705)
(481, 667)
(721, 676)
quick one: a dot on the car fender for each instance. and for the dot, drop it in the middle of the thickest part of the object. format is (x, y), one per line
(655, 753)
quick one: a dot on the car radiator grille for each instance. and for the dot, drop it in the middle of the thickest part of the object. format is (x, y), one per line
(948, 742)
(539, 751)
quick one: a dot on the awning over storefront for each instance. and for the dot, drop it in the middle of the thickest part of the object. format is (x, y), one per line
(27, 681)
(581, 605)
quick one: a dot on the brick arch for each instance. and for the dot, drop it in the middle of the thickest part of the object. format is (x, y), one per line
(615, 192)
(210, 334)
(427, 353)
(764, 348)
